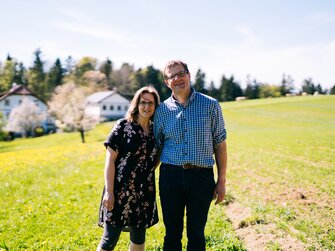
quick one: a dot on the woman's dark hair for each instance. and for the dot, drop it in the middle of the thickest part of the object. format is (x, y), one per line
(132, 112)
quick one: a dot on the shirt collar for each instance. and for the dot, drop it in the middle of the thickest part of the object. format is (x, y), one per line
(189, 100)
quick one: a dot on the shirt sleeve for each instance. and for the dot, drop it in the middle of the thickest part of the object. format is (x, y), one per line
(114, 138)
(218, 125)
(158, 130)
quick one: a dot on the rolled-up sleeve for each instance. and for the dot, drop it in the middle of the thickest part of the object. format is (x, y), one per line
(218, 125)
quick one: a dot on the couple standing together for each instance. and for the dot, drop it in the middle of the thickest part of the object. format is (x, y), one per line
(183, 133)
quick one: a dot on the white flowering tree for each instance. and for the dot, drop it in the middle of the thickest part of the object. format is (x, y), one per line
(68, 106)
(25, 118)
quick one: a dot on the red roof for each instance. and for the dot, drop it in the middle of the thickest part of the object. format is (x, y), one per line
(17, 90)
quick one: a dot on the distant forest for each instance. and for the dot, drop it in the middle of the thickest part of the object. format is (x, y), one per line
(90, 72)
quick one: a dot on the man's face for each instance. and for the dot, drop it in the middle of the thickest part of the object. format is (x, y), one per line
(178, 80)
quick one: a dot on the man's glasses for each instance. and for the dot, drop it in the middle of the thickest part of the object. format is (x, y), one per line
(178, 74)
(144, 103)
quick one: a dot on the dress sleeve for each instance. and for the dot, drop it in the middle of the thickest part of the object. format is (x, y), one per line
(115, 137)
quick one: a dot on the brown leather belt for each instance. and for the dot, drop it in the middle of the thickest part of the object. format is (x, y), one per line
(190, 166)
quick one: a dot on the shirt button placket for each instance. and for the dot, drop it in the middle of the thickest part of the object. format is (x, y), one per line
(185, 136)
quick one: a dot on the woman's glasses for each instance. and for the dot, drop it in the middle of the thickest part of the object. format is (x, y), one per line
(144, 103)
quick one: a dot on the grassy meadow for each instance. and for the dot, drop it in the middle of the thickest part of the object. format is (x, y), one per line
(280, 188)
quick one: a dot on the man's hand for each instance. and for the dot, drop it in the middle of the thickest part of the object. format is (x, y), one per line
(219, 192)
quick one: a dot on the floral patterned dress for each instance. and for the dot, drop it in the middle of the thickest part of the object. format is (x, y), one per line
(134, 184)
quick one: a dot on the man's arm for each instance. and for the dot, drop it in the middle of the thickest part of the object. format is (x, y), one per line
(220, 152)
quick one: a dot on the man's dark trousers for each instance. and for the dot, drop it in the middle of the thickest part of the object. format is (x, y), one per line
(181, 188)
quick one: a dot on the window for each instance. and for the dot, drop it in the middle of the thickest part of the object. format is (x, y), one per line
(125, 107)
(111, 107)
(119, 108)
(104, 107)
(7, 102)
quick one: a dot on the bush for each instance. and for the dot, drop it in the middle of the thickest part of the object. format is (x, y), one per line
(4, 136)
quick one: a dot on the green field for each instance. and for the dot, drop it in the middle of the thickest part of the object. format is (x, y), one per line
(281, 183)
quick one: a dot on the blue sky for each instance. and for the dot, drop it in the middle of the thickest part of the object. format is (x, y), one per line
(263, 39)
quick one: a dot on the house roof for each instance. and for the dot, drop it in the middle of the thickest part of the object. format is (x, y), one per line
(99, 96)
(17, 90)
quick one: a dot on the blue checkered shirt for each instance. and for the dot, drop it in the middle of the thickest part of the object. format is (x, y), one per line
(187, 135)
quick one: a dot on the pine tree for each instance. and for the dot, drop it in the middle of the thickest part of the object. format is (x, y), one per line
(199, 83)
(55, 76)
(107, 68)
(230, 89)
(308, 86)
(36, 76)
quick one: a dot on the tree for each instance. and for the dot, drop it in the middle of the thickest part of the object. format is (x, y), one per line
(199, 83)
(95, 81)
(68, 106)
(36, 77)
(230, 89)
(25, 118)
(252, 91)
(308, 86)
(20, 75)
(56, 74)
(122, 78)
(267, 91)
(214, 92)
(7, 74)
(287, 85)
(319, 89)
(332, 90)
(3, 134)
(146, 76)
(107, 69)
(69, 65)
(155, 77)
(85, 64)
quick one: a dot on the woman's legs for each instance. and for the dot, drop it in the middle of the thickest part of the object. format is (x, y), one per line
(136, 247)
(137, 239)
(110, 237)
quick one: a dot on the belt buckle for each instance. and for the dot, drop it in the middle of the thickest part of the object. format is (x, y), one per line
(188, 166)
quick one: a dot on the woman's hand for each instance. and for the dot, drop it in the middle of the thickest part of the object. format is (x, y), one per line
(108, 201)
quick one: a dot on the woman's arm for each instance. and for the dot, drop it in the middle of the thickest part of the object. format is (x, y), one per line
(109, 199)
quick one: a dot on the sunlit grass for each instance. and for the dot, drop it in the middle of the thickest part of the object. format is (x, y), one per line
(50, 186)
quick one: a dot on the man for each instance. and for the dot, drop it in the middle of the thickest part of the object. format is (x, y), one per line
(189, 129)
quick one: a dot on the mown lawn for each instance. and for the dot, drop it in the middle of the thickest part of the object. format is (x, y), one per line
(281, 168)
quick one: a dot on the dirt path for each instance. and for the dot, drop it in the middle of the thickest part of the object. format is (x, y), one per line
(259, 236)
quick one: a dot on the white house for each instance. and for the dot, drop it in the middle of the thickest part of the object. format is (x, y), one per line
(106, 105)
(13, 98)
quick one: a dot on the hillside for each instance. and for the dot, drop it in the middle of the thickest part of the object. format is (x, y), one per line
(280, 190)
(282, 171)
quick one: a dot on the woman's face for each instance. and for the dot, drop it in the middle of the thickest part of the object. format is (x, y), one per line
(146, 106)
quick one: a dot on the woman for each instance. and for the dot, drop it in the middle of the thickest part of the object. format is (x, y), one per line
(128, 200)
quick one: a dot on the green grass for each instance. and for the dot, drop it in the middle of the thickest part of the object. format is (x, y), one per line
(279, 149)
